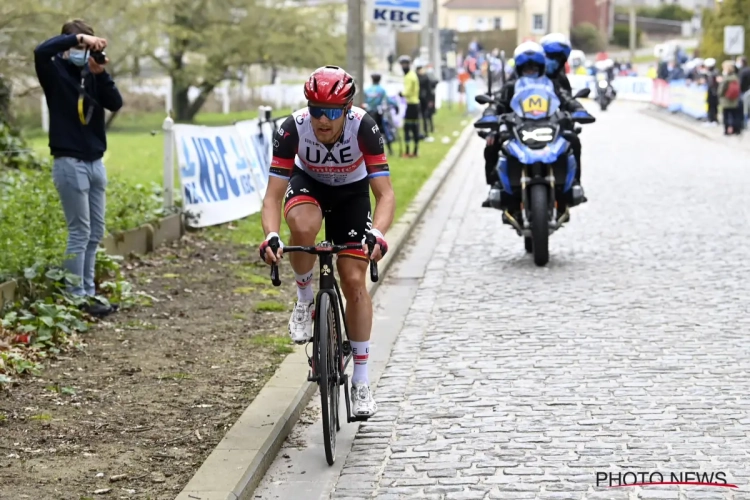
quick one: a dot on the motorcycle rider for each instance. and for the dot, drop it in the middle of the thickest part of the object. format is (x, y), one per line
(530, 61)
(557, 49)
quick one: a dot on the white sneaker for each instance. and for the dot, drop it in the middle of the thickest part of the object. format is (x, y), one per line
(300, 324)
(362, 403)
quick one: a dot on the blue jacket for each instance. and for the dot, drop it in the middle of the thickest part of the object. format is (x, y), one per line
(61, 81)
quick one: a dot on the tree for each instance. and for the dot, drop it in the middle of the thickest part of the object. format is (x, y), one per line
(729, 13)
(209, 42)
(586, 37)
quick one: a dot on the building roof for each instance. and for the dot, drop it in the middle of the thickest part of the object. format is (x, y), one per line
(481, 4)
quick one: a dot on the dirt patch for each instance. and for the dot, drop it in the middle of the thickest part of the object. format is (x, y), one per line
(156, 388)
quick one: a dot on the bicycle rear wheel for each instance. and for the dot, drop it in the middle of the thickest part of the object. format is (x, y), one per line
(328, 371)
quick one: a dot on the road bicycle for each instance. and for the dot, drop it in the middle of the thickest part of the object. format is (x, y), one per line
(331, 353)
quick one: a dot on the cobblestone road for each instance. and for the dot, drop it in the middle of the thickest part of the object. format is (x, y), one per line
(627, 353)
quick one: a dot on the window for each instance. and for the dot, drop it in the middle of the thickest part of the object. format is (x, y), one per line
(498, 23)
(480, 24)
(537, 23)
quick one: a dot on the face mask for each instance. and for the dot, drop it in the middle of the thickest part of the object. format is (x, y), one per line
(552, 66)
(77, 57)
(405, 68)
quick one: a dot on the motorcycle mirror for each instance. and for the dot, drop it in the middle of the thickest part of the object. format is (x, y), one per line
(483, 99)
(583, 93)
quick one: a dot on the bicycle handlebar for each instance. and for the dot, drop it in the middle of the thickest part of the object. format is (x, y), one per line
(321, 249)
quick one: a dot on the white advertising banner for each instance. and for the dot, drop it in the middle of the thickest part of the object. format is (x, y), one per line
(219, 173)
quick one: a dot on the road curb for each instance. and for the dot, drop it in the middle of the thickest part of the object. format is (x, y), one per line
(679, 122)
(238, 463)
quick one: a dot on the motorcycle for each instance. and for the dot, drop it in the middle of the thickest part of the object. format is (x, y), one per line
(604, 93)
(536, 166)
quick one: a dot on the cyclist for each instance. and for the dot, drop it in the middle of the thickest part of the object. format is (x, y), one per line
(326, 157)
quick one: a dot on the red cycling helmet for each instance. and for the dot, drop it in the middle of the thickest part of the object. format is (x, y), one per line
(330, 85)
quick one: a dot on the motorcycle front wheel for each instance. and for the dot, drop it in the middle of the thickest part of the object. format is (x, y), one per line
(539, 224)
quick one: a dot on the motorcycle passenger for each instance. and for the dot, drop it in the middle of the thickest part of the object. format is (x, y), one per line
(530, 61)
(557, 50)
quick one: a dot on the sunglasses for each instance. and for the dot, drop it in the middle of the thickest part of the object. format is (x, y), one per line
(330, 113)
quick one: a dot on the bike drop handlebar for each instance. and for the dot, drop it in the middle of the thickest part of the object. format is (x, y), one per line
(318, 250)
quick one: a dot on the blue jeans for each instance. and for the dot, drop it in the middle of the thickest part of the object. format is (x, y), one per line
(81, 185)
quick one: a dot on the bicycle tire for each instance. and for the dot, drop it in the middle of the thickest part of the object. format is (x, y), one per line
(328, 382)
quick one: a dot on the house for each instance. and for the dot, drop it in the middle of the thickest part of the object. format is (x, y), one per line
(600, 13)
(478, 15)
(536, 18)
(687, 4)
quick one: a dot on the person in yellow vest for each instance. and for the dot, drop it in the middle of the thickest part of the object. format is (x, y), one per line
(651, 73)
(411, 94)
(581, 70)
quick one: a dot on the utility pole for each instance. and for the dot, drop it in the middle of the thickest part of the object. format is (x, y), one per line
(435, 54)
(355, 51)
(633, 30)
(549, 17)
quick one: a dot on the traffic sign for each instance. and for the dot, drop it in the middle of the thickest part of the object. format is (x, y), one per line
(734, 40)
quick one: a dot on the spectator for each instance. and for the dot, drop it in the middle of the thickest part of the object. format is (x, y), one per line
(391, 60)
(712, 93)
(71, 70)
(411, 119)
(426, 99)
(745, 88)
(729, 99)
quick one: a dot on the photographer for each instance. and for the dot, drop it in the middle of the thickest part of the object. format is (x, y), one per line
(71, 70)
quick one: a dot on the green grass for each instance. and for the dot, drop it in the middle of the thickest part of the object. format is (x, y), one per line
(270, 306)
(277, 344)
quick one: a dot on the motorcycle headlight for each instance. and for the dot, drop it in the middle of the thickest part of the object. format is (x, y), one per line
(603, 84)
(536, 138)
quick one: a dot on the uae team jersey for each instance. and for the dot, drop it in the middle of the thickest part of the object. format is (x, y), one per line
(356, 155)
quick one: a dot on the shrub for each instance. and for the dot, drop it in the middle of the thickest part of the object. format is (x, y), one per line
(586, 37)
(621, 36)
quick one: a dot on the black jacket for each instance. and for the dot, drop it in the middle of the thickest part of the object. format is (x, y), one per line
(745, 79)
(61, 81)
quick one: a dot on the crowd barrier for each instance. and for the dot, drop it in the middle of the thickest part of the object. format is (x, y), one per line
(223, 170)
(681, 96)
(628, 88)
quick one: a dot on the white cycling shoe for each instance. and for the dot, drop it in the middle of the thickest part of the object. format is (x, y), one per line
(301, 322)
(363, 405)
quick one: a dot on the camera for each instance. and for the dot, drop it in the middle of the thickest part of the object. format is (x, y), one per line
(99, 56)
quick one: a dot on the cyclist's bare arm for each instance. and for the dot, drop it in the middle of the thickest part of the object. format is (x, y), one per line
(385, 203)
(285, 145)
(371, 144)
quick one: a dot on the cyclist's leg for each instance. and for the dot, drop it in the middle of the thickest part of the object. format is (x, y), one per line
(304, 216)
(347, 223)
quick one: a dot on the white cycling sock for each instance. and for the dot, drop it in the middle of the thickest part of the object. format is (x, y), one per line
(360, 352)
(304, 287)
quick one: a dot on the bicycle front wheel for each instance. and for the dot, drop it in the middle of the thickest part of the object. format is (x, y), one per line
(328, 371)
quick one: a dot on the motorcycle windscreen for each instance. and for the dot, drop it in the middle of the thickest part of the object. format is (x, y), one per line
(535, 100)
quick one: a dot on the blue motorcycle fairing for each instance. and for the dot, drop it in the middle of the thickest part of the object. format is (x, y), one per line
(571, 174)
(489, 119)
(502, 173)
(537, 95)
(528, 156)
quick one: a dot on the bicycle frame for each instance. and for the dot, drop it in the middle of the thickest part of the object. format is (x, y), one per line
(329, 286)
